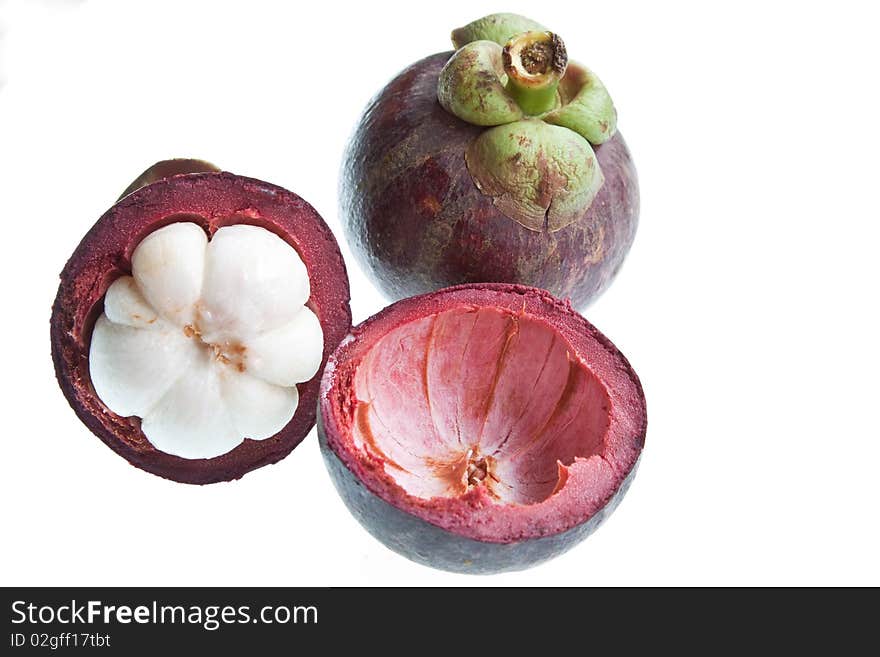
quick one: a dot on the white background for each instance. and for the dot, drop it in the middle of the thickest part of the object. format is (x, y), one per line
(748, 305)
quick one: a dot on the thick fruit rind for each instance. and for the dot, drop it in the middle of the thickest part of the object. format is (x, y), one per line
(417, 528)
(436, 547)
(212, 200)
(417, 221)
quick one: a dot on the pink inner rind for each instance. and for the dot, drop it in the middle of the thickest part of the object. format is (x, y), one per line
(473, 382)
(589, 470)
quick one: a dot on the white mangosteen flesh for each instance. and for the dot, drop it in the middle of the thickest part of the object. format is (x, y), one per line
(206, 341)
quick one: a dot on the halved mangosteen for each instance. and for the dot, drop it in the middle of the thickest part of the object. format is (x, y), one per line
(480, 428)
(193, 320)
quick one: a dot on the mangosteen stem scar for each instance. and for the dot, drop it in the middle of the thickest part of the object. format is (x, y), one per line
(534, 63)
(478, 468)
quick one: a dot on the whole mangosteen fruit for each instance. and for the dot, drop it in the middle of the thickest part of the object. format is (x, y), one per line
(498, 162)
(480, 428)
(193, 320)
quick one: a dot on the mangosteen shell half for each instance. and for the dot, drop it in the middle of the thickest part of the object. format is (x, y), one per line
(417, 221)
(211, 200)
(460, 535)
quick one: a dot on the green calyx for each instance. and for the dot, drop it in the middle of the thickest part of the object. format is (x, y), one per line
(513, 76)
(507, 67)
(586, 106)
(495, 27)
(486, 84)
(167, 168)
(540, 175)
(471, 86)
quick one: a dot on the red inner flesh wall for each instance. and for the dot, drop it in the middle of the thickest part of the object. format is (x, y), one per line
(478, 396)
(493, 411)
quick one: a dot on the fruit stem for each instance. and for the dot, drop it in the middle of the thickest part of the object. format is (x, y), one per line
(166, 169)
(534, 63)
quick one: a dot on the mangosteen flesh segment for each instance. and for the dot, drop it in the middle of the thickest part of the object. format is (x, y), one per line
(206, 341)
(480, 428)
(192, 321)
(517, 175)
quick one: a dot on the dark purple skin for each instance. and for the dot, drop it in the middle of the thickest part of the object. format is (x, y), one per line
(435, 547)
(418, 222)
(469, 532)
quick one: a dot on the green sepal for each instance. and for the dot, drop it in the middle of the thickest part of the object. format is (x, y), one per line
(495, 27)
(587, 108)
(542, 176)
(471, 86)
